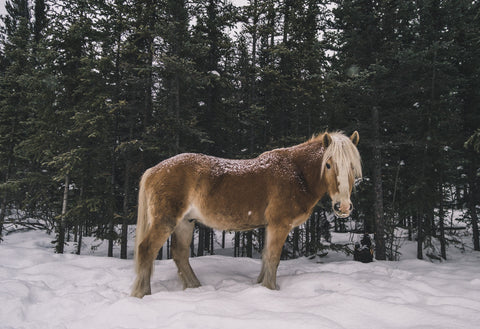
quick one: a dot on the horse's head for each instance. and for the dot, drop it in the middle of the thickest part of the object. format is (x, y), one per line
(341, 165)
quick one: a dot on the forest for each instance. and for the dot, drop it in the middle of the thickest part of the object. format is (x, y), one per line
(94, 92)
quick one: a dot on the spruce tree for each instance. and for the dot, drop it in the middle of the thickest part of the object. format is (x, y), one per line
(16, 71)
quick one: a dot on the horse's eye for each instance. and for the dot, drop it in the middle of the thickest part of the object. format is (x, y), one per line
(328, 166)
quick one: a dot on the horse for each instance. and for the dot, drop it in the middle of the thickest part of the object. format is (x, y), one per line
(276, 190)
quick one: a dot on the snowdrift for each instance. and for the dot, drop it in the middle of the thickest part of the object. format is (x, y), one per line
(39, 289)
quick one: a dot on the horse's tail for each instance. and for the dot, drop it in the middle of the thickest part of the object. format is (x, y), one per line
(143, 222)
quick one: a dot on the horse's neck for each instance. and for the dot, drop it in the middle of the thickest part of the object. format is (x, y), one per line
(308, 158)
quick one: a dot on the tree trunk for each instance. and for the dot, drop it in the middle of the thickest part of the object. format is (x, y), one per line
(111, 213)
(3, 209)
(380, 253)
(314, 236)
(123, 246)
(236, 249)
(61, 223)
(111, 231)
(201, 240)
(472, 204)
(192, 245)
(243, 244)
(212, 238)
(308, 228)
(249, 244)
(206, 244)
(261, 238)
(169, 254)
(441, 224)
(79, 243)
(79, 227)
(296, 234)
(177, 113)
(409, 225)
(419, 234)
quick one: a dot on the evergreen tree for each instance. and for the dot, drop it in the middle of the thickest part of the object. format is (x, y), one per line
(362, 68)
(213, 62)
(464, 27)
(16, 77)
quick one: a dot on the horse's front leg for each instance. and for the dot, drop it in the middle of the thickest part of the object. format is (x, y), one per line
(276, 236)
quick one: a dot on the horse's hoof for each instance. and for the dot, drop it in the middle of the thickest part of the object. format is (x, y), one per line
(137, 295)
(191, 285)
(269, 285)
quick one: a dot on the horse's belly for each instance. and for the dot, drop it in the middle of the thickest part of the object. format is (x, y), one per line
(228, 219)
(231, 223)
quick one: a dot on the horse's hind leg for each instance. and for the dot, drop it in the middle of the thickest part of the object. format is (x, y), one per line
(276, 236)
(147, 251)
(181, 239)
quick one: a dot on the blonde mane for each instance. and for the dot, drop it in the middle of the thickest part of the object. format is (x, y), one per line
(344, 154)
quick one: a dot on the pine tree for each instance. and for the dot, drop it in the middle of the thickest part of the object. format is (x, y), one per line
(17, 67)
(465, 26)
(212, 60)
(358, 22)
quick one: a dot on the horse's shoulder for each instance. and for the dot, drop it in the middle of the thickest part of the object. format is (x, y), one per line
(272, 159)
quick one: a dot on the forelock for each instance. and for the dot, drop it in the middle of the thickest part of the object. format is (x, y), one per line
(344, 154)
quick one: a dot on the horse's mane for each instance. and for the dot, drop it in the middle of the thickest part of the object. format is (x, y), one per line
(343, 152)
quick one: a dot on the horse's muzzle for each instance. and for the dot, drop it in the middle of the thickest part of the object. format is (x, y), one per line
(342, 210)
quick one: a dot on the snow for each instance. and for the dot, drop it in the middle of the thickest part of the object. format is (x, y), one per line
(40, 289)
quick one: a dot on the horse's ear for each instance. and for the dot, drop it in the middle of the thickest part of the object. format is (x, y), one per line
(327, 140)
(355, 138)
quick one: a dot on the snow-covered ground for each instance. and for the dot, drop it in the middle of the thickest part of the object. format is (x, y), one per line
(40, 289)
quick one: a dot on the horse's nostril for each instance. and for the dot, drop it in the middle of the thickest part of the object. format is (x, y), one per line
(351, 207)
(336, 206)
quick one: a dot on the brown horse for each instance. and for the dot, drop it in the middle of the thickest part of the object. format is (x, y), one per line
(277, 190)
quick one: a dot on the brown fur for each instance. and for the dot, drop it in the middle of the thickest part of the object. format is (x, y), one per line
(277, 190)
